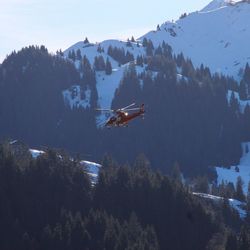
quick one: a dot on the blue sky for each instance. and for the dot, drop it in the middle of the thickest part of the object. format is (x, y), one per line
(59, 24)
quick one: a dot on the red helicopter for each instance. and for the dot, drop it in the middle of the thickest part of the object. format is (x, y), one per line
(121, 116)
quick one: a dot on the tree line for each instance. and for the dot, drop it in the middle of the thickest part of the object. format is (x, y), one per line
(50, 203)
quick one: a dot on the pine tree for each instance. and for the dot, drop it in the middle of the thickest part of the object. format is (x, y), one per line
(176, 173)
(86, 41)
(99, 63)
(248, 204)
(244, 241)
(139, 60)
(73, 55)
(231, 243)
(141, 161)
(78, 55)
(246, 78)
(246, 149)
(108, 67)
(149, 48)
(100, 49)
(243, 90)
(201, 184)
(144, 42)
(245, 121)
(239, 195)
(129, 44)
(234, 103)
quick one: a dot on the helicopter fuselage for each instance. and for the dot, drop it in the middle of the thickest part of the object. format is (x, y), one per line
(121, 118)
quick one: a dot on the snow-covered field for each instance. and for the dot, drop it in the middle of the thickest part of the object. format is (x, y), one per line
(231, 175)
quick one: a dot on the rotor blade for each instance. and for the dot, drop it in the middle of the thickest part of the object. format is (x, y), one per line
(105, 110)
(128, 106)
(133, 109)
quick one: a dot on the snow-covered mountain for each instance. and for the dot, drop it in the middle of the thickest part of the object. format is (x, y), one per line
(106, 84)
(217, 36)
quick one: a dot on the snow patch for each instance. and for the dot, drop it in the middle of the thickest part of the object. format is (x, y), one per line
(35, 153)
(237, 205)
(92, 169)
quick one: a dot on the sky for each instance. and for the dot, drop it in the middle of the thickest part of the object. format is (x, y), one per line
(58, 24)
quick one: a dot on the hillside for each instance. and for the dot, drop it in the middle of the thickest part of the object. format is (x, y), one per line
(51, 204)
(192, 116)
(216, 36)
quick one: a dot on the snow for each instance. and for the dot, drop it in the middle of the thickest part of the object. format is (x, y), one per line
(217, 36)
(242, 104)
(106, 84)
(231, 175)
(35, 153)
(215, 4)
(181, 77)
(92, 169)
(73, 98)
(237, 205)
(219, 39)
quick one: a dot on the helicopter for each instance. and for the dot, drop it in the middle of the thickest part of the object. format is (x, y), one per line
(121, 117)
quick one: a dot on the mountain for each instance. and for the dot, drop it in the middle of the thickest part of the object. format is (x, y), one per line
(188, 120)
(106, 84)
(217, 36)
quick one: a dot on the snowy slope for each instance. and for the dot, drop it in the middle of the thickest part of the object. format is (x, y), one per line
(231, 175)
(217, 36)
